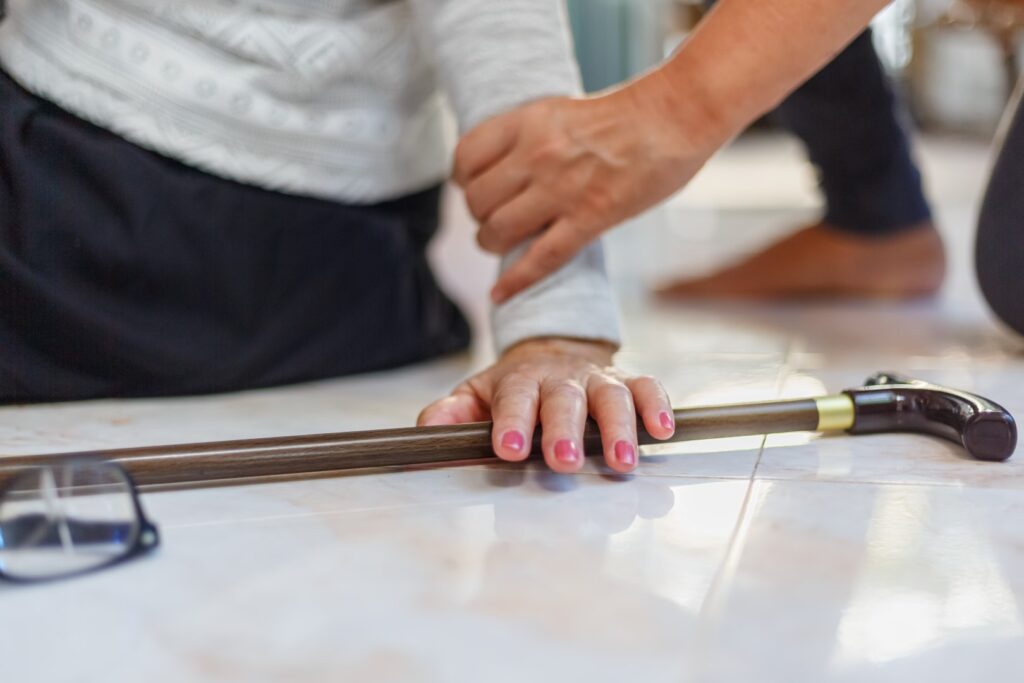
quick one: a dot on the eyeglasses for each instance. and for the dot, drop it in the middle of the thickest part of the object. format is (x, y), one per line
(69, 518)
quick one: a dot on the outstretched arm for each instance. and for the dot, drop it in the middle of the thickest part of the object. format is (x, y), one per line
(557, 337)
(568, 169)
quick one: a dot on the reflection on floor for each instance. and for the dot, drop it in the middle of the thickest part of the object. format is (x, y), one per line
(791, 558)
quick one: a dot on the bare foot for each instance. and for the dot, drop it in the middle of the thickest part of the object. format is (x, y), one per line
(821, 261)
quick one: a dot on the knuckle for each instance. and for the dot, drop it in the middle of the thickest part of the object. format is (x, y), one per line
(579, 231)
(616, 389)
(561, 189)
(498, 228)
(566, 390)
(601, 200)
(550, 256)
(581, 175)
(522, 372)
(552, 150)
(485, 238)
(647, 383)
(537, 113)
(464, 159)
(511, 392)
(474, 202)
(613, 394)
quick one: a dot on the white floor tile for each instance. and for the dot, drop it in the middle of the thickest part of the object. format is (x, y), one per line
(792, 558)
(841, 582)
(437, 576)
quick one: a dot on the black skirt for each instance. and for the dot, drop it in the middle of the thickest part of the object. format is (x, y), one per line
(999, 246)
(124, 273)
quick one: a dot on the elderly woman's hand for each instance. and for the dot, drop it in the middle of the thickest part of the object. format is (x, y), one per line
(558, 382)
(573, 168)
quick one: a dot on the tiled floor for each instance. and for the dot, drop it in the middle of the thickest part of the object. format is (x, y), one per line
(792, 558)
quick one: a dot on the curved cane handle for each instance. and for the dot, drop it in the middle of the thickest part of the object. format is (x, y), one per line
(890, 403)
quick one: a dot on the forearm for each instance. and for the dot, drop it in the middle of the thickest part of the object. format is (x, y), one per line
(591, 163)
(576, 302)
(493, 57)
(745, 57)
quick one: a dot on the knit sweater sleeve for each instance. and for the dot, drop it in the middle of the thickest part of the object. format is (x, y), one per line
(493, 56)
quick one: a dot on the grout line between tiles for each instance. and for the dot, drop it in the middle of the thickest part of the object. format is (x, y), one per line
(734, 547)
(737, 538)
(780, 381)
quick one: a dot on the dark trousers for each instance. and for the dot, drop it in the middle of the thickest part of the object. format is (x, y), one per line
(850, 122)
(999, 249)
(124, 273)
(849, 119)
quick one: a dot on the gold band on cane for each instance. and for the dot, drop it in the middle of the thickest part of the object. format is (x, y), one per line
(835, 413)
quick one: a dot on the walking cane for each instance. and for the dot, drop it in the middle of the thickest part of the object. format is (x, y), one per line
(887, 403)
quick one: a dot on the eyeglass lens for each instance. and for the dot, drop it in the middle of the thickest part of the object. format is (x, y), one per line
(65, 519)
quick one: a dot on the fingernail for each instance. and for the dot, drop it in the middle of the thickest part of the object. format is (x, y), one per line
(565, 450)
(666, 420)
(513, 439)
(625, 453)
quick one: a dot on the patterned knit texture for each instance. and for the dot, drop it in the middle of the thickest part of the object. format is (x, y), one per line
(338, 99)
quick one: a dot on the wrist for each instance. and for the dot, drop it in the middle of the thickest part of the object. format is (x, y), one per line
(692, 126)
(596, 351)
(692, 99)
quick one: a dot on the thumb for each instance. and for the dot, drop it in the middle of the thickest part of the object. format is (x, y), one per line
(462, 406)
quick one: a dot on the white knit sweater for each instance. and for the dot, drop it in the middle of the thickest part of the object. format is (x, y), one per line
(339, 99)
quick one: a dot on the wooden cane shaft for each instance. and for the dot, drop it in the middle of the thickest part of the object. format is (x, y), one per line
(295, 455)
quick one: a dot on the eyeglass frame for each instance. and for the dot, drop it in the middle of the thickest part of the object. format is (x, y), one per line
(147, 538)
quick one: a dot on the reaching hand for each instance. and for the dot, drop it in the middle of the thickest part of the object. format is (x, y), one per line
(570, 169)
(559, 382)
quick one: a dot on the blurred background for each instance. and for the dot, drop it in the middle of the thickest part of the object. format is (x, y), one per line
(954, 59)
(952, 62)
